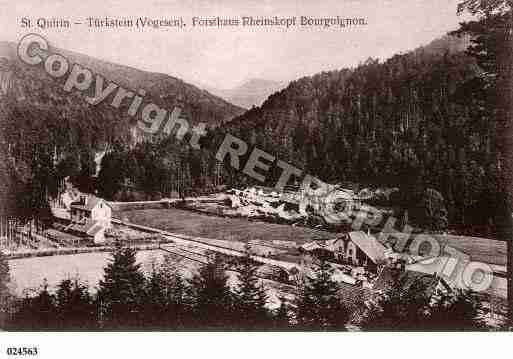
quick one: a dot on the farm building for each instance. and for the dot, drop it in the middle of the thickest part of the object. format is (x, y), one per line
(92, 230)
(354, 248)
(364, 250)
(323, 249)
(92, 208)
(90, 217)
(432, 284)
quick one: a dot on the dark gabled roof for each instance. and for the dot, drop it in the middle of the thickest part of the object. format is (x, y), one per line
(79, 205)
(388, 277)
(92, 201)
(90, 227)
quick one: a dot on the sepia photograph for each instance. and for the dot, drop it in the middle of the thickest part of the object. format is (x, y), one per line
(255, 166)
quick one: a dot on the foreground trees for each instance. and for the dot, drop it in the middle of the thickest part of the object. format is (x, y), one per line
(74, 306)
(401, 308)
(164, 300)
(5, 296)
(212, 300)
(167, 302)
(121, 291)
(318, 306)
(250, 298)
(37, 313)
(459, 311)
(413, 307)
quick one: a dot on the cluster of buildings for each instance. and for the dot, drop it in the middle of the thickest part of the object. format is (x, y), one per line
(359, 258)
(86, 215)
(335, 206)
(363, 260)
(356, 249)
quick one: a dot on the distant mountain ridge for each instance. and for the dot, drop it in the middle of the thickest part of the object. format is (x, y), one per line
(251, 93)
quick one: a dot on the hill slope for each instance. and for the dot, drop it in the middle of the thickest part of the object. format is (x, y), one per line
(38, 94)
(409, 121)
(47, 133)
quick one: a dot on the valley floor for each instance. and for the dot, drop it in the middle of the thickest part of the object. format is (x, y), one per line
(238, 229)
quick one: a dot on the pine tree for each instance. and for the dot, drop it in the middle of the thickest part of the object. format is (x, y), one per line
(74, 306)
(37, 312)
(166, 302)
(155, 301)
(178, 295)
(250, 296)
(411, 306)
(455, 311)
(122, 290)
(404, 306)
(281, 316)
(212, 298)
(112, 173)
(43, 307)
(434, 212)
(318, 306)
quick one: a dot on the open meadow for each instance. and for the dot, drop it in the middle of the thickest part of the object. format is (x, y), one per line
(239, 229)
(30, 273)
(479, 249)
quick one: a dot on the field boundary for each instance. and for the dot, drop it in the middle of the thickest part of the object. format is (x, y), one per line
(72, 251)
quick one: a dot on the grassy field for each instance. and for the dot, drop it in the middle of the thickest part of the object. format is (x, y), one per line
(479, 249)
(195, 224)
(200, 225)
(30, 273)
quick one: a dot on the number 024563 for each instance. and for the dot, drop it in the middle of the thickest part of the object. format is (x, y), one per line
(22, 351)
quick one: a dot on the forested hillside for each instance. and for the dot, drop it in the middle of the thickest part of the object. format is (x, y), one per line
(47, 133)
(416, 120)
(419, 120)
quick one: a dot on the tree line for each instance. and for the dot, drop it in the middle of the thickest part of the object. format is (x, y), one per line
(163, 299)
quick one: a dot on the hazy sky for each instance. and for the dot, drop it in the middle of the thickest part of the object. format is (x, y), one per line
(226, 57)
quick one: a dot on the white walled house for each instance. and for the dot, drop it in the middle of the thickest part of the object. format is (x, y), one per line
(90, 217)
(93, 208)
(66, 200)
(354, 248)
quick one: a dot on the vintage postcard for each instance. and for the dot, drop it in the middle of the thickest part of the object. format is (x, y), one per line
(283, 166)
